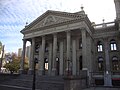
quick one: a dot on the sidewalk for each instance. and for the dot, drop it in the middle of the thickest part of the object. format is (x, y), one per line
(102, 88)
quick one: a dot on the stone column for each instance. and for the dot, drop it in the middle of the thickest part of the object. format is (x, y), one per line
(61, 58)
(31, 63)
(54, 72)
(89, 57)
(84, 49)
(68, 67)
(117, 7)
(107, 72)
(23, 57)
(74, 57)
(50, 59)
(42, 53)
(39, 57)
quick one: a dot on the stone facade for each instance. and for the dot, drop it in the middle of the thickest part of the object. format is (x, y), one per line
(66, 43)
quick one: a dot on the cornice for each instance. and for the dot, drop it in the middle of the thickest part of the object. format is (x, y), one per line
(55, 25)
(107, 29)
(106, 34)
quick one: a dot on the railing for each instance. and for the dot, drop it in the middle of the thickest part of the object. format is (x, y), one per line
(96, 26)
(115, 73)
(96, 73)
(100, 76)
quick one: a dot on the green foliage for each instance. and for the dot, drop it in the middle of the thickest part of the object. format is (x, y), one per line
(13, 66)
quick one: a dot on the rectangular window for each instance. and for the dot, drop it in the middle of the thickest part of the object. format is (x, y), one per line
(100, 48)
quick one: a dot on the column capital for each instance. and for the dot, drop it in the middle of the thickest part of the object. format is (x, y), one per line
(24, 40)
(83, 28)
(43, 36)
(55, 35)
(68, 31)
(32, 40)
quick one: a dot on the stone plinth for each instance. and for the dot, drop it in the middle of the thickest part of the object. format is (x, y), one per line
(75, 82)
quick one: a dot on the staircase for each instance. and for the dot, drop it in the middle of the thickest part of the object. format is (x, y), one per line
(25, 81)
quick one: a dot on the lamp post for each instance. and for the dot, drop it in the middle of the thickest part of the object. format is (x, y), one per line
(34, 73)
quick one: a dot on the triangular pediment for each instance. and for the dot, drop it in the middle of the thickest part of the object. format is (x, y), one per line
(51, 18)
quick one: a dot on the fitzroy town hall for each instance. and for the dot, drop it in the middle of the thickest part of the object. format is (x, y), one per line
(68, 43)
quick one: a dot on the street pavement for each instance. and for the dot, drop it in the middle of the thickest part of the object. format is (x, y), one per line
(102, 88)
(8, 87)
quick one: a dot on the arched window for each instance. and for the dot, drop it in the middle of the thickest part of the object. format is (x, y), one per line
(100, 64)
(113, 45)
(99, 46)
(115, 64)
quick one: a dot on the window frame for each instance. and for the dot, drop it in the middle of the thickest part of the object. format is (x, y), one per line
(100, 62)
(113, 45)
(99, 46)
(115, 63)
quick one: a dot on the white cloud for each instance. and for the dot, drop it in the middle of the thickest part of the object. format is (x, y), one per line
(15, 13)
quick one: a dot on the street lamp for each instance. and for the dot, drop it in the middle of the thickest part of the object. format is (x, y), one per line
(34, 73)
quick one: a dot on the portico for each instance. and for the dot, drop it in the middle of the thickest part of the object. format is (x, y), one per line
(61, 40)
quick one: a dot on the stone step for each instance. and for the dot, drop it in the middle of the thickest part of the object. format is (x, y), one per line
(42, 82)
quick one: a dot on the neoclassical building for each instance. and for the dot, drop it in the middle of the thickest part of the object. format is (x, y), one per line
(66, 43)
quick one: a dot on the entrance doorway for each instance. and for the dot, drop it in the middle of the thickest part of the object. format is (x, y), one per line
(80, 63)
(46, 66)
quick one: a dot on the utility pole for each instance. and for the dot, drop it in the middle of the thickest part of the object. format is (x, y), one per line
(2, 57)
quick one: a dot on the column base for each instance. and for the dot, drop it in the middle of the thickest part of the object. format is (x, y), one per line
(107, 80)
(21, 71)
(30, 72)
(85, 69)
(68, 72)
(74, 82)
(41, 72)
(54, 72)
(49, 73)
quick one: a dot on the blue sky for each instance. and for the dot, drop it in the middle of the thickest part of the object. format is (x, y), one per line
(15, 13)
